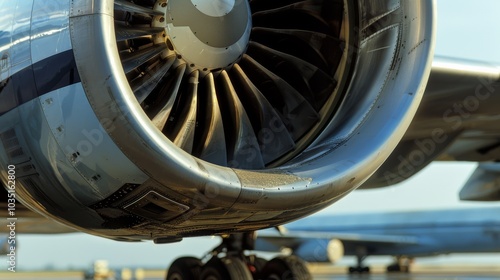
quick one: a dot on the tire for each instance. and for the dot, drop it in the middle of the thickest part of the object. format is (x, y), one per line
(286, 268)
(258, 265)
(228, 268)
(185, 268)
(393, 268)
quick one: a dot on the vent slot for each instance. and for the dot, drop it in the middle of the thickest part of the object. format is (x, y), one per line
(155, 206)
(25, 169)
(12, 147)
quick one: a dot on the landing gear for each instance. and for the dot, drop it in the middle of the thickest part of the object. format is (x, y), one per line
(185, 268)
(402, 264)
(359, 268)
(225, 268)
(286, 268)
(228, 262)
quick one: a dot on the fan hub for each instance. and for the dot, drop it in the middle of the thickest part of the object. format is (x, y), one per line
(208, 35)
(214, 8)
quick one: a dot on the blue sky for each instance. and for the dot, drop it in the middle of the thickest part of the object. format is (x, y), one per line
(466, 29)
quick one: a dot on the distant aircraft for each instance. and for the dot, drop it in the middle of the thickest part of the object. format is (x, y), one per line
(405, 235)
(4, 245)
(160, 120)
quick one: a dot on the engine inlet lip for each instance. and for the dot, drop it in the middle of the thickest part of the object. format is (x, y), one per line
(342, 75)
(145, 145)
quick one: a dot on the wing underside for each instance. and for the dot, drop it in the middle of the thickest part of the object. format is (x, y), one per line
(457, 120)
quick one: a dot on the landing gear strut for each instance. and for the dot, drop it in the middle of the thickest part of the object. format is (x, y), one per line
(228, 261)
(359, 268)
(401, 264)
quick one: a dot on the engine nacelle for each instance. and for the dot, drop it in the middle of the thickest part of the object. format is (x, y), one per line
(320, 250)
(142, 120)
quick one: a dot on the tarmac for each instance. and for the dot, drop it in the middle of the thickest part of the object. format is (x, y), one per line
(418, 272)
(320, 272)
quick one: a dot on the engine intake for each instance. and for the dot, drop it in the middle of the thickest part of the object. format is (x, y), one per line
(186, 130)
(320, 250)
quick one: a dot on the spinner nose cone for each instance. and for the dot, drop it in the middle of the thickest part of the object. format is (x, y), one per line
(209, 34)
(214, 8)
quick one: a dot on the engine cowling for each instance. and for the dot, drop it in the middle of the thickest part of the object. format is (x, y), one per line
(165, 119)
(320, 251)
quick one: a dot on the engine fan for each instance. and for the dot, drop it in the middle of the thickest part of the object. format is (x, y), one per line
(209, 117)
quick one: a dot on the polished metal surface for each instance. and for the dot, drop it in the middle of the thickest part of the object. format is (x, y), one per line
(119, 167)
(49, 29)
(86, 147)
(304, 184)
(15, 38)
(20, 55)
(6, 38)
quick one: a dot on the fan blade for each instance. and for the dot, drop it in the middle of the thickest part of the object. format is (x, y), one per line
(314, 84)
(243, 148)
(305, 15)
(182, 121)
(321, 50)
(210, 142)
(145, 3)
(160, 118)
(144, 86)
(262, 5)
(126, 6)
(258, 110)
(296, 113)
(271, 132)
(135, 59)
(126, 32)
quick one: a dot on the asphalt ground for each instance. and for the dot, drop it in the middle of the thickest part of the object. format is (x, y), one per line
(320, 272)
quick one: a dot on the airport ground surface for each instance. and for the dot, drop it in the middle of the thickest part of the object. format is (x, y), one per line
(455, 272)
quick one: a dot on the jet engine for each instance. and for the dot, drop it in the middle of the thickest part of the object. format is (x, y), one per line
(321, 250)
(163, 119)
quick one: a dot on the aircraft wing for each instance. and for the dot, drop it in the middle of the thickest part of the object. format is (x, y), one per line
(457, 121)
(331, 246)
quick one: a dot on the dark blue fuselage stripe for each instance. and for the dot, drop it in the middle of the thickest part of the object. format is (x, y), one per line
(45, 76)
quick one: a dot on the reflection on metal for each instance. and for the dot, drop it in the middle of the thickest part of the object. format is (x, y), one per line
(226, 140)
